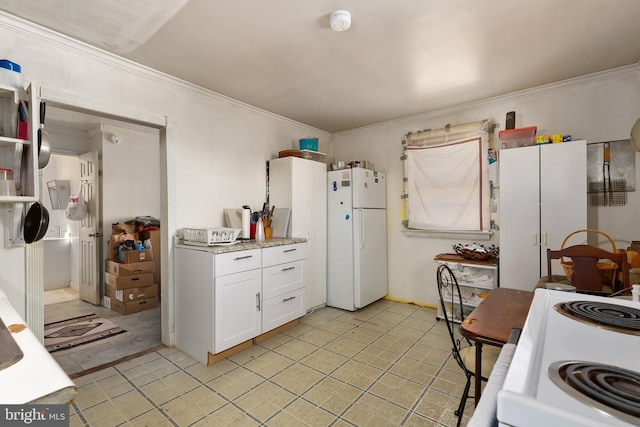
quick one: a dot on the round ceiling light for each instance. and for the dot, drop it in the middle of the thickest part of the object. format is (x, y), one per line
(340, 20)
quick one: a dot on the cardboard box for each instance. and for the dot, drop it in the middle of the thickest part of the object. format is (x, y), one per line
(132, 294)
(115, 242)
(154, 237)
(136, 306)
(128, 282)
(120, 269)
(128, 227)
(131, 256)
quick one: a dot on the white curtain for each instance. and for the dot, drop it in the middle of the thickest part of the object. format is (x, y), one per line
(447, 181)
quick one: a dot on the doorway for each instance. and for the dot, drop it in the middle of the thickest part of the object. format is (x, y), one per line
(143, 329)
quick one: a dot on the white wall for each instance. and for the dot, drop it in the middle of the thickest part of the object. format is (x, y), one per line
(222, 145)
(597, 108)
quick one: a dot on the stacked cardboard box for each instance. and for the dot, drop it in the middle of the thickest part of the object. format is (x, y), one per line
(129, 281)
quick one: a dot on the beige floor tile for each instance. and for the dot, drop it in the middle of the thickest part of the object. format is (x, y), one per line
(419, 372)
(332, 395)
(269, 364)
(337, 327)
(105, 414)
(229, 415)
(309, 413)
(235, 383)
(318, 337)
(324, 361)
(357, 374)
(265, 400)
(132, 404)
(345, 346)
(285, 419)
(415, 420)
(398, 390)
(151, 418)
(90, 395)
(372, 407)
(295, 349)
(275, 341)
(298, 378)
(377, 357)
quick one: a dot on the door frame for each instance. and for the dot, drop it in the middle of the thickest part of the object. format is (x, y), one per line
(34, 310)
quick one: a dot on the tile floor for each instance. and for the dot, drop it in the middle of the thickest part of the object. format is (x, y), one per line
(388, 364)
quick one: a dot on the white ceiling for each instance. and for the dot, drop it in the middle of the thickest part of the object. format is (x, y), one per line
(399, 58)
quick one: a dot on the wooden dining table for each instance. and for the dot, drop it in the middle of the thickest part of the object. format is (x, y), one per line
(492, 320)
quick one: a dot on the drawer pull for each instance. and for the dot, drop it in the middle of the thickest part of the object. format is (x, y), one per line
(288, 268)
(288, 299)
(243, 257)
(258, 301)
(289, 250)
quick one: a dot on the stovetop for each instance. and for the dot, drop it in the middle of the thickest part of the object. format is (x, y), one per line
(530, 397)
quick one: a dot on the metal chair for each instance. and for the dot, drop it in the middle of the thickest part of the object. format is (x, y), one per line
(462, 350)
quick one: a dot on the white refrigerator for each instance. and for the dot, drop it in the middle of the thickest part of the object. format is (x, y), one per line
(356, 238)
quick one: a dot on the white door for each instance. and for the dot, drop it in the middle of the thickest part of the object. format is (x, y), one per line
(519, 217)
(90, 236)
(370, 255)
(563, 196)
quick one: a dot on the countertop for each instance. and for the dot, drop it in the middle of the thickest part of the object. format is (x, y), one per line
(37, 377)
(244, 245)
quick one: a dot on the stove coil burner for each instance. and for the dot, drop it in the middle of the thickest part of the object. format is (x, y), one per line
(619, 318)
(613, 390)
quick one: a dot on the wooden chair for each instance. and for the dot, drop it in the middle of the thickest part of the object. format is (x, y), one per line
(462, 350)
(586, 276)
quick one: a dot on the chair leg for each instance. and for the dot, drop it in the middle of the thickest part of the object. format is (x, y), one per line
(463, 400)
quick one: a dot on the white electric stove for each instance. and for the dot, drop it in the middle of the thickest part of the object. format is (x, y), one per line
(561, 359)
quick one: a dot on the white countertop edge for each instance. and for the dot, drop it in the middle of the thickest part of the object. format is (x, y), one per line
(37, 377)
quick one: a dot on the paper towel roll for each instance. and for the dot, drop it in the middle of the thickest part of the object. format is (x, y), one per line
(246, 221)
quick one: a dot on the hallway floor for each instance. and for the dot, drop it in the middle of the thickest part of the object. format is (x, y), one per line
(143, 333)
(388, 364)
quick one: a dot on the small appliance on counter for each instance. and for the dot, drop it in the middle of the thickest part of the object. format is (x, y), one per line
(210, 236)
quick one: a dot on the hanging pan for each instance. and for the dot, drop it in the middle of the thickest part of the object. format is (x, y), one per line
(36, 223)
(44, 144)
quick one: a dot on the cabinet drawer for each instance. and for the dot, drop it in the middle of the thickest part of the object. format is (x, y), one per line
(282, 278)
(234, 262)
(282, 309)
(281, 254)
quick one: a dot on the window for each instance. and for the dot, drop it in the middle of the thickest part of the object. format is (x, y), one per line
(447, 185)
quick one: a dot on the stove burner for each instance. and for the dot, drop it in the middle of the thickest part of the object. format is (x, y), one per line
(613, 390)
(620, 318)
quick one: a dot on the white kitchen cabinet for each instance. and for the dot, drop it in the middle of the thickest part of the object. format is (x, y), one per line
(225, 298)
(283, 279)
(475, 280)
(300, 184)
(543, 198)
(237, 298)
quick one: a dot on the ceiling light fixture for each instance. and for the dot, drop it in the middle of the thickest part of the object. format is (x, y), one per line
(340, 20)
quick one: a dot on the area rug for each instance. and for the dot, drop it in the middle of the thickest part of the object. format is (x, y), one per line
(78, 331)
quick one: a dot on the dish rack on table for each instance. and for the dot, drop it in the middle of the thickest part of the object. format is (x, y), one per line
(210, 236)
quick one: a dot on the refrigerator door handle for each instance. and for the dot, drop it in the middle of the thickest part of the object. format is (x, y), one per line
(361, 211)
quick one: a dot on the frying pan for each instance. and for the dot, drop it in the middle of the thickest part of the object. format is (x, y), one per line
(36, 223)
(44, 145)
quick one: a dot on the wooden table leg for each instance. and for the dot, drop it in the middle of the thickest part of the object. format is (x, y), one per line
(478, 376)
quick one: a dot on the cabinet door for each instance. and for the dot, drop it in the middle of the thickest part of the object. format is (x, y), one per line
(237, 311)
(519, 217)
(563, 195)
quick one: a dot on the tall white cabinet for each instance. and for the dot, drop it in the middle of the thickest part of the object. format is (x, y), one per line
(300, 184)
(543, 198)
